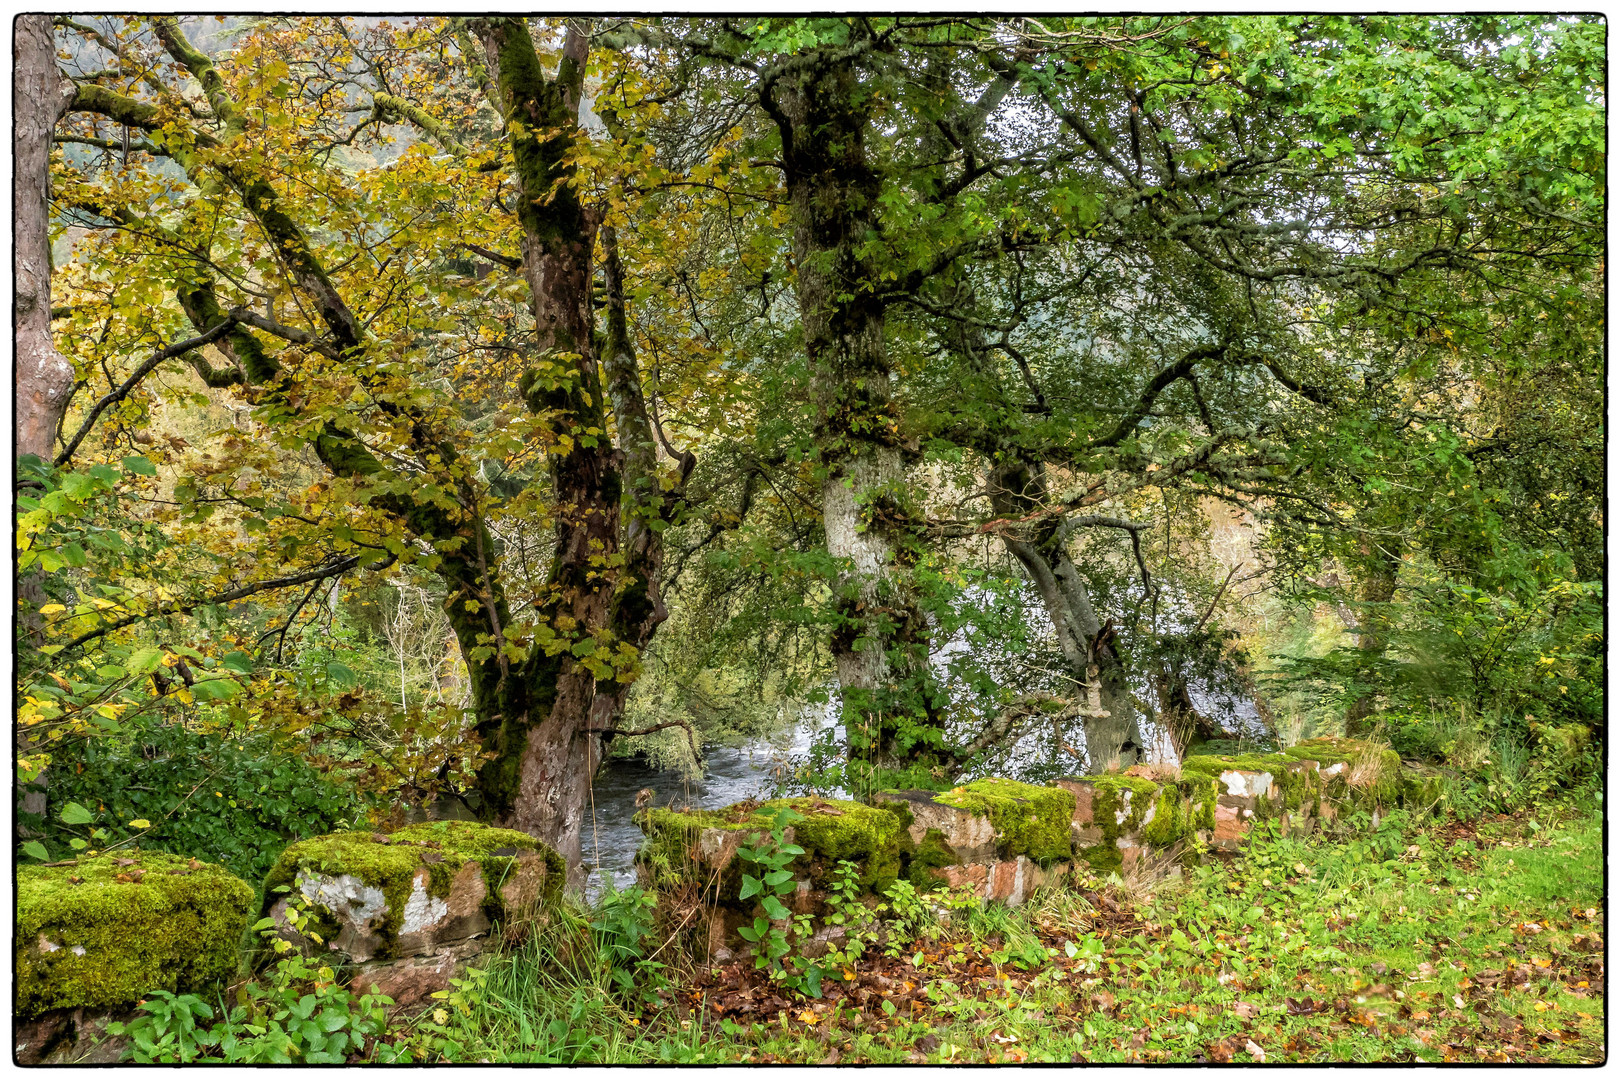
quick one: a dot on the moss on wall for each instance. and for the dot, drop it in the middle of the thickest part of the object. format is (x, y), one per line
(1180, 809)
(177, 928)
(390, 864)
(1108, 804)
(923, 859)
(1030, 821)
(829, 830)
(1376, 772)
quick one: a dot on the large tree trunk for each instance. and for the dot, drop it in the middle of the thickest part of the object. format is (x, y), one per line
(43, 377)
(891, 708)
(547, 748)
(1113, 731)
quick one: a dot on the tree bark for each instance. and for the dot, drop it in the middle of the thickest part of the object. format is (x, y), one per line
(891, 707)
(1113, 731)
(44, 377)
(546, 750)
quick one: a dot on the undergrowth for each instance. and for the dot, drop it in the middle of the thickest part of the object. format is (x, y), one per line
(1419, 940)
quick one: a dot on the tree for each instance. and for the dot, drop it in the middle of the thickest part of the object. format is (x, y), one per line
(348, 263)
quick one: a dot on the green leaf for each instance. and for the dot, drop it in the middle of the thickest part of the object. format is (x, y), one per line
(144, 662)
(239, 662)
(74, 814)
(36, 850)
(140, 466)
(340, 674)
(774, 908)
(216, 689)
(750, 886)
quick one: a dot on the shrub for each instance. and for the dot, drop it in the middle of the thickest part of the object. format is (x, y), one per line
(235, 799)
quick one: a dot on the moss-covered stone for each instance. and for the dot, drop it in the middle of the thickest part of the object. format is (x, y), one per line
(1030, 821)
(689, 847)
(1181, 809)
(870, 836)
(1119, 805)
(1348, 770)
(392, 865)
(932, 854)
(99, 942)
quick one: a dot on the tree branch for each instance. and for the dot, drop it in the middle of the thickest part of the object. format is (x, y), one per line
(129, 384)
(186, 607)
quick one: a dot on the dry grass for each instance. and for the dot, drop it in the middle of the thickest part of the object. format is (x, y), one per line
(1061, 911)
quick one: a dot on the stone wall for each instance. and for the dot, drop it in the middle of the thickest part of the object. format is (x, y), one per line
(405, 910)
(1005, 839)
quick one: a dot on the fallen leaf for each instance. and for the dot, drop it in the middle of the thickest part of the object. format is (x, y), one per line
(1255, 1051)
(1246, 1010)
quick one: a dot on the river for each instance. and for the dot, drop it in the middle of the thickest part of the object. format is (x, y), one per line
(731, 774)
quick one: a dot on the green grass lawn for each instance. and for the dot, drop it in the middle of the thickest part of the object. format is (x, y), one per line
(1447, 943)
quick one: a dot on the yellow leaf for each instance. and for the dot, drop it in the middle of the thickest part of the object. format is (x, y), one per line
(140, 823)
(809, 1017)
(51, 609)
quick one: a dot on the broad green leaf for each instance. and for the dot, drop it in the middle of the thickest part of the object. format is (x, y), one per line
(74, 814)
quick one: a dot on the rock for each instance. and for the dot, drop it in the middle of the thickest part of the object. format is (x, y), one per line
(1027, 820)
(971, 836)
(411, 893)
(102, 943)
(415, 979)
(698, 847)
(69, 1037)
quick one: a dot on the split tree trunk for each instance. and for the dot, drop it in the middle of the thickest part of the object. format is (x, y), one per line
(1113, 731)
(546, 750)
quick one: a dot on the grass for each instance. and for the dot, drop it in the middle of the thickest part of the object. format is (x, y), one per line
(1442, 942)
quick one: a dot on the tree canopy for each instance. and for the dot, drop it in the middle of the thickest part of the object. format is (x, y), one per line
(684, 368)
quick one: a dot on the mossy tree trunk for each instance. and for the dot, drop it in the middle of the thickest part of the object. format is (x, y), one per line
(880, 643)
(545, 748)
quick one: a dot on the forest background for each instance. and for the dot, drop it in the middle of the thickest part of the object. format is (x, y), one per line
(424, 408)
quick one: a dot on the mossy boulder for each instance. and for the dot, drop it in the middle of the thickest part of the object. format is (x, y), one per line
(699, 847)
(104, 932)
(372, 896)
